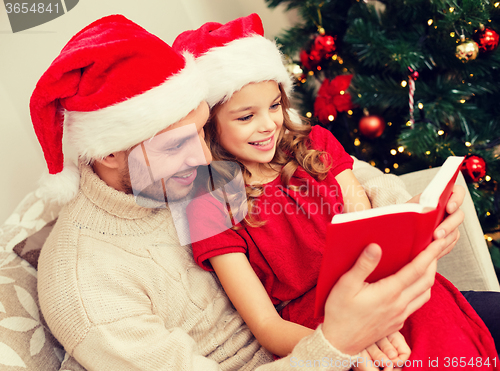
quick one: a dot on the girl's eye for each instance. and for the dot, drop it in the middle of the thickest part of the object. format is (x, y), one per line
(245, 118)
(276, 105)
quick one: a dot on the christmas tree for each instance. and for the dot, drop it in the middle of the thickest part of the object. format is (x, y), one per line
(405, 84)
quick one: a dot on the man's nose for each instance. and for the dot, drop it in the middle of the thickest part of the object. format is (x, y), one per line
(199, 155)
(206, 152)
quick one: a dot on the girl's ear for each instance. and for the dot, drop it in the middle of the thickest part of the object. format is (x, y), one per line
(114, 160)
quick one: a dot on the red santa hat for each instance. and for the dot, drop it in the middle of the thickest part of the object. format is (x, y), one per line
(112, 86)
(233, 55)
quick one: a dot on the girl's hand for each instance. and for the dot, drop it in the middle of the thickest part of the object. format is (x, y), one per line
(389, 353)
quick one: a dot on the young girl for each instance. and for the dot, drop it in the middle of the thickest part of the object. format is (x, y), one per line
(297, 178)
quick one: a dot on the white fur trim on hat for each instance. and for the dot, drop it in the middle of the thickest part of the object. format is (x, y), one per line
(61, 187)
(99, 133)
(242, 61)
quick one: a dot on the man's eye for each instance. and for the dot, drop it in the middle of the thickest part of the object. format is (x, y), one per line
(175, 147)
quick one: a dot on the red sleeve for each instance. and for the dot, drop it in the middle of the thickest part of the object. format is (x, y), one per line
(323, 140)
(209, 227)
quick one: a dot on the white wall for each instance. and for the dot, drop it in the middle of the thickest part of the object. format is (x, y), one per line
(25, 55)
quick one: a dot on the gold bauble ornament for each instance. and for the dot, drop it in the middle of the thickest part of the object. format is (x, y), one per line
(467, 50)
(295, 70)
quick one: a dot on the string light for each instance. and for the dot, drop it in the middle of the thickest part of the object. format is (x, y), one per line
(488, 238)
(393, 152)
(310, 73)
(488, 213)
(372, 163)
(497, 4)
(359, 95)
(309, 114)
(357, 142)
(387, 170)
(349, 112)
(430, 22)
(452, 9)
(395, 165)
(408, 123)
(331, 117)
(468, 144)
(487, 178)
(427, 153)
(334, 57)
(462, 101)
(440, 132)
(401, 149)
(420, 105)
(403, 83)
(452, 34)
(342, 92)
(389, 123)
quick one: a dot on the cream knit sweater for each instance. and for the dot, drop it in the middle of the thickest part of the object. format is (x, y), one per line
(120, 293)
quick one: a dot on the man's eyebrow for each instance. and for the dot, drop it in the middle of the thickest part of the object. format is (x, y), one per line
(180, 139)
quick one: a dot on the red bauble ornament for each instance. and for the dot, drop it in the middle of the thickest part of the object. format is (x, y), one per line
(474, 168)
(310, 60)
(371, 126)
(324, 45)
(487, 39)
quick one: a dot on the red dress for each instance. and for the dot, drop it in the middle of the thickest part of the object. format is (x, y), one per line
(286, 252)
(286, 255)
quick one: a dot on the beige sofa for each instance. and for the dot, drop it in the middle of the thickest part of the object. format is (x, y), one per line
(26, 342)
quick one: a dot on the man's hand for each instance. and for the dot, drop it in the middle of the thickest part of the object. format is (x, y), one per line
(357, 314)
(448, 229)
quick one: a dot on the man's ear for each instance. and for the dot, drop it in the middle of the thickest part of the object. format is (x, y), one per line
(113, 161)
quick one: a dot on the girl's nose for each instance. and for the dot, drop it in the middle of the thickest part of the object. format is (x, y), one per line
(267, 123)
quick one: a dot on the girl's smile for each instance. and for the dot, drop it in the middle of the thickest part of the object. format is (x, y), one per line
(264, 145)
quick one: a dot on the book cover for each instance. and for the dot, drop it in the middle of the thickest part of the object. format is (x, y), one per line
(402, 231)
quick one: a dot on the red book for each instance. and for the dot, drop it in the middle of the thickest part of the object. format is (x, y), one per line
(402, 231)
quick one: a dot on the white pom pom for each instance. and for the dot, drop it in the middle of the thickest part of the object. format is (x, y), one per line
(61, 187)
